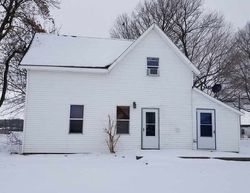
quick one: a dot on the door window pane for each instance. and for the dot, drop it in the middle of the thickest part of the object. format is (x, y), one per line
(150, 130)
(206, 118)
(150, 117)
(206, 124)
(206, 131)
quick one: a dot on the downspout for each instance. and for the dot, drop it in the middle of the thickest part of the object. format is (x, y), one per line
(25, 111)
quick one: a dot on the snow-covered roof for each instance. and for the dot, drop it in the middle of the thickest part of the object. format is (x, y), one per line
(87, 53)
(217, 101)
(72, 51)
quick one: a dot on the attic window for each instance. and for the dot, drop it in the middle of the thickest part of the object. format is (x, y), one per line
(152, 66)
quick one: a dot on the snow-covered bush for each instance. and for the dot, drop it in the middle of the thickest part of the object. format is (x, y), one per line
(14, 140)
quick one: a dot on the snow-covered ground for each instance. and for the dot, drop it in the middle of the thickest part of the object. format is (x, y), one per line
(157, 171)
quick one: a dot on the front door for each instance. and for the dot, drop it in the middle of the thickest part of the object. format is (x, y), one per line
(206, 129)
(150, 128)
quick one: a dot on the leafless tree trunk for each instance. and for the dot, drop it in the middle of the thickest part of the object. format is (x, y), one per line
(19, 21)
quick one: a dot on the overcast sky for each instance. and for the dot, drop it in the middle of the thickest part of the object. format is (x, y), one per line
(96, 17)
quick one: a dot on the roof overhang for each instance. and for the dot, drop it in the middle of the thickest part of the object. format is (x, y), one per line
(99, 70)
(218, 102)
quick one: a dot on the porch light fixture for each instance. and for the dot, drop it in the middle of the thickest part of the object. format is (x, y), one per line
(134, 105)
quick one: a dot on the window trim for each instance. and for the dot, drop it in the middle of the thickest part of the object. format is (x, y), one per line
(206, 124)
(149, 67)
(76, 119)
(123, 120)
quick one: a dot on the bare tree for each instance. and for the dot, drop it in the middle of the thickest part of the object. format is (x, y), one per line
(19, 21)
(239, 75)
(204, 38)
(112, 137)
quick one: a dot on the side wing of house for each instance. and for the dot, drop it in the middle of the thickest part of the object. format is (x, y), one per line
(216, 125)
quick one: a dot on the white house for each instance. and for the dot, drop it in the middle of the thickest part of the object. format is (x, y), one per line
(74, 83)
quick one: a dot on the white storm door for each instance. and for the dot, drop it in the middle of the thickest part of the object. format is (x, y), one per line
(206, 129)
(150, 128)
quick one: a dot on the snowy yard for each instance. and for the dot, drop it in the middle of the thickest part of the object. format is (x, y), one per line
(157, 171)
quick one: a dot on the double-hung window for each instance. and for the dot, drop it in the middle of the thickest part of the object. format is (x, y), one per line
(76, 119)
(152, 66)
(122, 119)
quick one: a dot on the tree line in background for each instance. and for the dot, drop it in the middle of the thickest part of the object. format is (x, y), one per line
(222, 55)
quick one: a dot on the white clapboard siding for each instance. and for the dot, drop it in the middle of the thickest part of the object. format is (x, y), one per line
(51, 93)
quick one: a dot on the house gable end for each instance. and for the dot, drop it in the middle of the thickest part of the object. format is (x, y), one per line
(168, 42)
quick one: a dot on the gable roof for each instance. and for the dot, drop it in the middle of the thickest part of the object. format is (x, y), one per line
(169, 43)
(218, 102)
(91, 54)
(71, 51)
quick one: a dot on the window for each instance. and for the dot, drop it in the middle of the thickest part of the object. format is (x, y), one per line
(153, 66)
(206, 125)
(150, 123)
(122, 120)
(76, 119)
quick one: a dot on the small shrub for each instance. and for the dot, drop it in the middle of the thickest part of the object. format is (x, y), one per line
(112, 138)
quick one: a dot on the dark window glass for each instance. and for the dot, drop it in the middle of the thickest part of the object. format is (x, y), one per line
(122, 120)
(153, 71)
(76, 111)
(150, 130)
(152, 66)
(122, 127)
(123, 112)
(76, 126)
(76, 119)
(206, 118)
(153, 62)
(206, 130)
(150, 117)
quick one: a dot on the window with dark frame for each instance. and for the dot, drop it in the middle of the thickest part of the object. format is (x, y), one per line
(206, 125)
(122, 119)
(150, 123)
(76, 118)
(152, 66)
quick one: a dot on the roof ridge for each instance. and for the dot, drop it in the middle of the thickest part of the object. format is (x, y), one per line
(89, 37)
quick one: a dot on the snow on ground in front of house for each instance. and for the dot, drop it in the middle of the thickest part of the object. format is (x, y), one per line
(157, 171)
(245, 146)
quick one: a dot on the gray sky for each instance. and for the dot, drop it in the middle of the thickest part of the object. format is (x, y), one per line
(95, 17)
